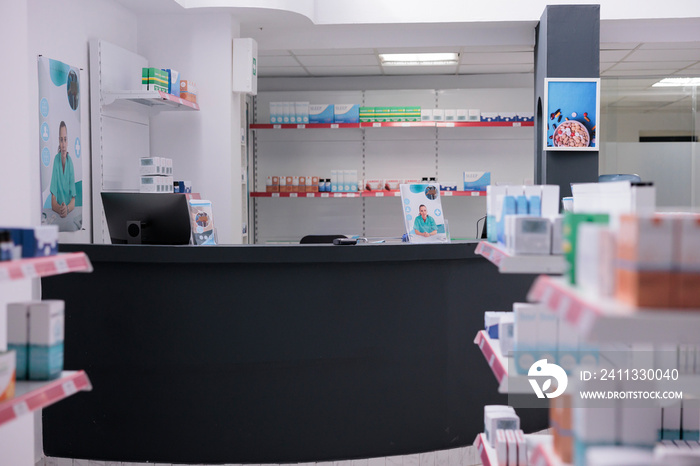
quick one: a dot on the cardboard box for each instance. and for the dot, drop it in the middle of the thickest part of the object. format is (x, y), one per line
(646, 241)
(173, 81)
(641, 288)
(346, 113)
(366, 114)
(188, 90)
(476, 181)
(18, 335)
(154, 79)
(321, 113)
(46, 322)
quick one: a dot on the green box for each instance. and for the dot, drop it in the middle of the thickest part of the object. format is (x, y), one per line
(154, 79)
(570, 234)
(367, 114)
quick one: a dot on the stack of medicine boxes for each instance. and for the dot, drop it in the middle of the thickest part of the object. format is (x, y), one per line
(524, 219)
(156, 175)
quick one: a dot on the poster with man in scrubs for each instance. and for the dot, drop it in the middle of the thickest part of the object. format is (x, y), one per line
(60, 145)
(423, 216)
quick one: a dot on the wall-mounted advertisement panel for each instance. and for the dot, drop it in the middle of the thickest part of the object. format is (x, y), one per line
(60, 145)
(572, 108)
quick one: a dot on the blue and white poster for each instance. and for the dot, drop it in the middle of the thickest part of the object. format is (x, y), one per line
(60, 145)
(424, 219)
(571, 107)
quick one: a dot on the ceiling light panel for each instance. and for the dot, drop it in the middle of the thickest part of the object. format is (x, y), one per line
(419, 59)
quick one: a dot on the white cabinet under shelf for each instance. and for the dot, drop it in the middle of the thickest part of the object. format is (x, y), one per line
(396, 150)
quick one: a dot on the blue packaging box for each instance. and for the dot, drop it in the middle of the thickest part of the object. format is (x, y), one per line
(38, 241)
(173, 82)
(476, 181)
(346, 113)
(321, 113)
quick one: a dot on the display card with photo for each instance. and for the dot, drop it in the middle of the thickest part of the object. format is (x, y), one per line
(424, 219)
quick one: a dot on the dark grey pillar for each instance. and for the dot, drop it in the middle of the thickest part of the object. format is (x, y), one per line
(567, 45)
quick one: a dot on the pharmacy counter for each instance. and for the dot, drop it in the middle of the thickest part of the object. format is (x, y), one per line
(277, 354)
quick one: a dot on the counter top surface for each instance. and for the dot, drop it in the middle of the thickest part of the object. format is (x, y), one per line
(276, 253)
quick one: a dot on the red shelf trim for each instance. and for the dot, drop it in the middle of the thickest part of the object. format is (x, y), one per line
(174, 98)
(44, 266)
(564, 302)
(497, 365)
(44, 396)
(386, 193)
(391, 124)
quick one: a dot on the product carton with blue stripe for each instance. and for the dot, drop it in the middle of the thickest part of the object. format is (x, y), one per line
(476, 181)
(46, 339)
(346, 113)
(321, 113)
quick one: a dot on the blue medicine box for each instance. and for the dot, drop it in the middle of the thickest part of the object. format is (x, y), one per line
(321, 113)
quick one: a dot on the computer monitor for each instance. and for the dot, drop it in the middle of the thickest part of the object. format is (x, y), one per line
(147, 218)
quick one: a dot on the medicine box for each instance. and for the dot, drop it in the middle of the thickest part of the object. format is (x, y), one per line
(646, 241)
(321, 113)
(346, 113)
(18, 335)
(451, 114)
(173, 81)
(46, 332)
(366, 114)
(570, 232)
(499, 417)
(154, 79)
(38, 241)
(491, 320)
(7, 375)
(188, 90)
(301, 110)
(474, 114)
(151, 166)
(426, 114)
(462, 114)
(476, 181)
(439, 114)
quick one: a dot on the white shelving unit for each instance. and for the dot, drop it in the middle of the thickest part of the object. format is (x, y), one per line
(31, 396)
(507, 263)
(120, 113)
(609, 321)
(17, 433)
(380, 150)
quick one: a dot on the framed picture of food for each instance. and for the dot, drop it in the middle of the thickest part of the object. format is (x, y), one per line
(571, 110)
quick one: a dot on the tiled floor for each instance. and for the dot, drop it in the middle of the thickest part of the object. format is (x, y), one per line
(464, 456)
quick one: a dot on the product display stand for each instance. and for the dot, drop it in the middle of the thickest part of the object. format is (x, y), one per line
(16, 430)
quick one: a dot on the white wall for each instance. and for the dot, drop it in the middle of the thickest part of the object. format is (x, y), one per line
(199, 46)
(61, 31)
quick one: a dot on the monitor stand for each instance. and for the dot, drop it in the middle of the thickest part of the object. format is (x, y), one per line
(133, 231)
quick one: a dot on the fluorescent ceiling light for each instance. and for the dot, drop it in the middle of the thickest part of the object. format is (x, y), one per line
(677, 82)
(418, 59)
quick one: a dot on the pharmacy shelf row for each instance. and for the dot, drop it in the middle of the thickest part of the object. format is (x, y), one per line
(33, 395)
(499, 364)
(542, 455)
(158, 99)
(605, 320)
(393, 193)
(507, 263)
(37, 267)
(398, 124)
